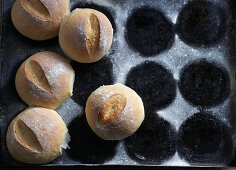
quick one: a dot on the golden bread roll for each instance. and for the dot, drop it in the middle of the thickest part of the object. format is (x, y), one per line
(37, 136)
(39, 19)
(85, 35)
(45, 79)
(114, 112)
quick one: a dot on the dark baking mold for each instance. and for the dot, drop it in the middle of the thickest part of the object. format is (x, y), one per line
(85, 146)
(149, 31)
(153, 143)
(16, 48)
(89, 77)
(106, 11)
(154, 83)
(201, 23)
(204, 84)
(204, 138)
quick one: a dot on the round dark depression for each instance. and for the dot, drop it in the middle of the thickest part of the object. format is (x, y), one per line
(86, 146)
(201, 23)
(153, 143)
(149, 32)
(203, 138)
(204, 84)
(89, 77)
(154, 83)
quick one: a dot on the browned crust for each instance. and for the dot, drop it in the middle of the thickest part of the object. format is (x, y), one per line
(111, 109)
(85, 35)
(39, 19)
(26, 137)
(45, 79)
(35, 136)
(36, 74)
(36, 8)
(92, 35)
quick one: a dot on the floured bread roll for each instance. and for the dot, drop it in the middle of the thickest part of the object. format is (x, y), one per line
(45, 79)
(39, 19)
(85, 35)
(114, 112)
(37, 136)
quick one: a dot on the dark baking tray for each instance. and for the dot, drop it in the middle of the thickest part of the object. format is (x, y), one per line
(14, 49)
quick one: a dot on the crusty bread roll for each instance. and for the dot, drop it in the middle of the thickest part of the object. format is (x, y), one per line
(114, 112)
(45, 79)
(39, 19)
(37, 136)
(85, 35)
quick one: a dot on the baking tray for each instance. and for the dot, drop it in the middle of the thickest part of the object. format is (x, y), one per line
(124, 64)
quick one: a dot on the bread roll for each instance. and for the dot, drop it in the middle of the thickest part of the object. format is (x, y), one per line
(39, 19)
(114, 112)
(45, 79)
(85, 35)
(37, 136)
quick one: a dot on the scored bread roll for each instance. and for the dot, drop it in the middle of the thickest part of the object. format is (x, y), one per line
(37, 136)
(85, 35)
(39, 19)
(45, 79)
(114, 112)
